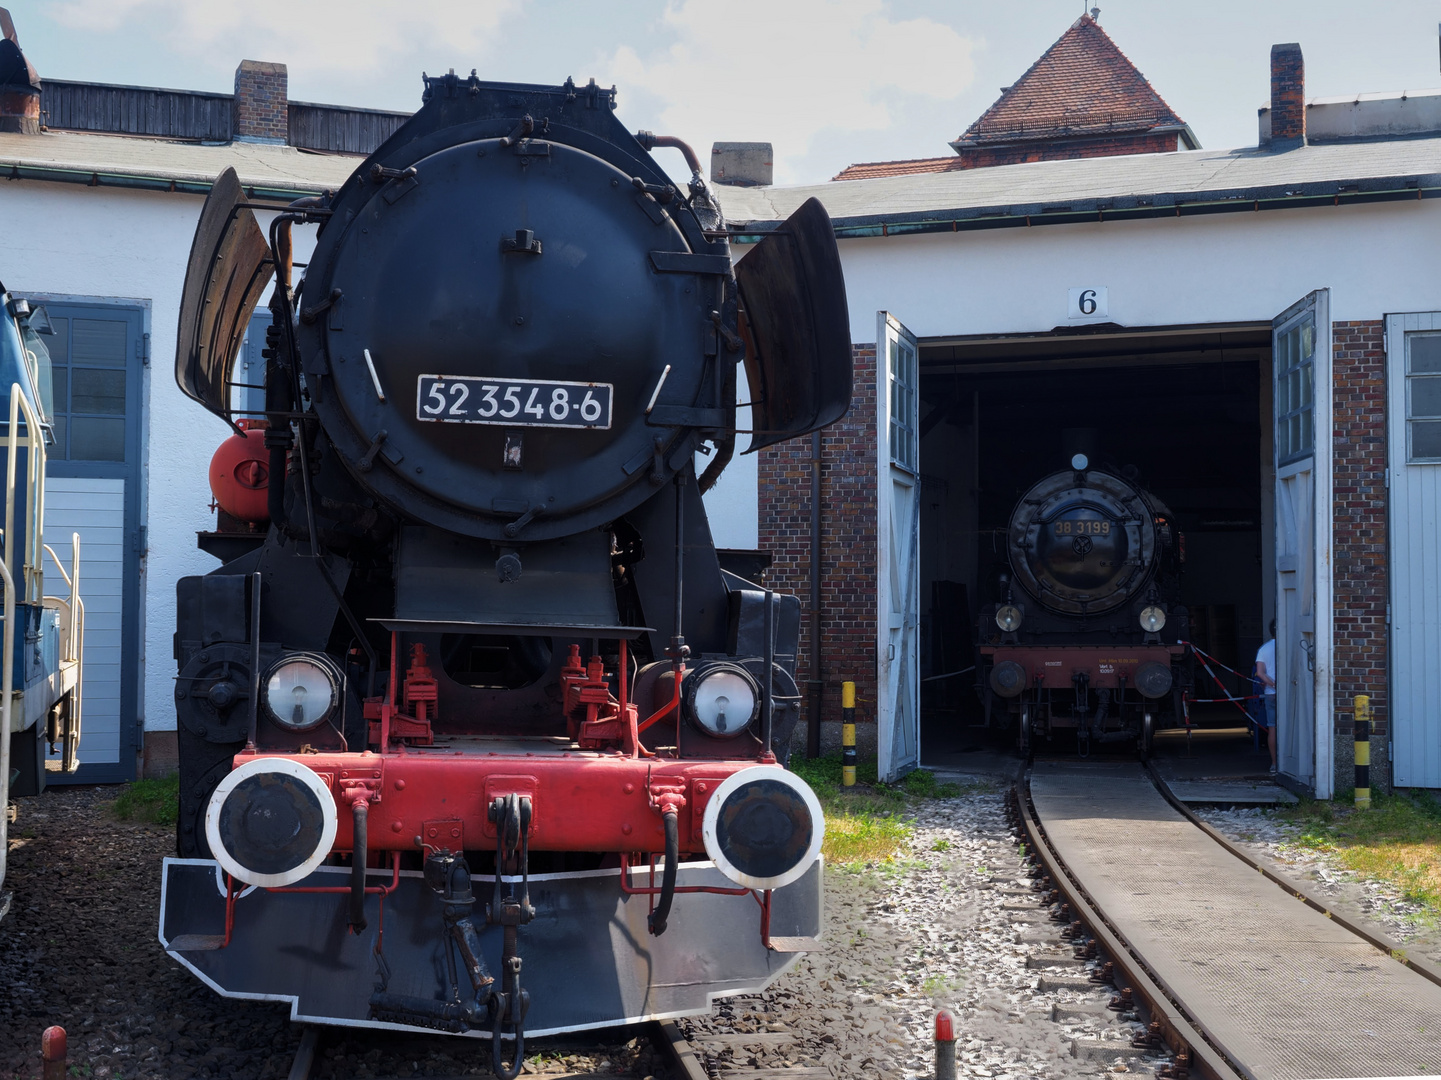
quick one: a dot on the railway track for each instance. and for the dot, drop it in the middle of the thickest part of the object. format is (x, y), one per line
(1234, 970)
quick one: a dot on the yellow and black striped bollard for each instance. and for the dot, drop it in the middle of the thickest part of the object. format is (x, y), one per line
(848, 734)
(1362, 723)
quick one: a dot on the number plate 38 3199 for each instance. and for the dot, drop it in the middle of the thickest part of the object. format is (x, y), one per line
(469, 399)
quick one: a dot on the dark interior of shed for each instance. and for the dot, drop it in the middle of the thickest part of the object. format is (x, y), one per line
(1183, 407)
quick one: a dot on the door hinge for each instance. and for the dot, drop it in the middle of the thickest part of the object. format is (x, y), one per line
(142, 539)
(142, 350)
(1388, 614)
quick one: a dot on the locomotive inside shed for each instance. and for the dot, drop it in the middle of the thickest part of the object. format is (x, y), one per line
(1178, 409)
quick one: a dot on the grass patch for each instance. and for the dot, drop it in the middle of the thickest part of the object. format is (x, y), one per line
(869, 823)
(1397, 840)
(153, 802)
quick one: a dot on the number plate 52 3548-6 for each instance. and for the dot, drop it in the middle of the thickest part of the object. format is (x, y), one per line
(470, 399)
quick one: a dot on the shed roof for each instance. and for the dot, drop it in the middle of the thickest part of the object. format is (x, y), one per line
(1105, 188)
(281, 172)
(1082, 85)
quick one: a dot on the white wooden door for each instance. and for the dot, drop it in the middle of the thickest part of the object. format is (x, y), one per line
(1413, 439)
(898, 564)
(1301, 362)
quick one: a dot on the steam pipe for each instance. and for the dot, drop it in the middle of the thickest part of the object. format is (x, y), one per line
(287, 321)
(360, 809)
(813, 728)
(275, 489)
(768, 681)
(255, 591)
(650, 141)
(661, 914)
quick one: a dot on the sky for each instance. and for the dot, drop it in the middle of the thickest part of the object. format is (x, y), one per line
(828, 82)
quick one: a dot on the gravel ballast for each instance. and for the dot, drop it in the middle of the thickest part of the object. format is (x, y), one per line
(953, 922)
(79, 949)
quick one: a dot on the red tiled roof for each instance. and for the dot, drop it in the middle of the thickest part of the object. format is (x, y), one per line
(1081, 85)
(869, 170)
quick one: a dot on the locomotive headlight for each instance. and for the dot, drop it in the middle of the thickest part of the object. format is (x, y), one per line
(722, 700)
(763, 827)
(1008, 618)
(1153, 619)
(301, 691)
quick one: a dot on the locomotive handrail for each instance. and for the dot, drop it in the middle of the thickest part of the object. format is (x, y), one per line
(7, 673)
(29, 565)
(76, 630)
(75, 641)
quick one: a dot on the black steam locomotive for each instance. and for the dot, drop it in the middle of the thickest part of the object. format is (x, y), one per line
(1088, 632)
(482, 682)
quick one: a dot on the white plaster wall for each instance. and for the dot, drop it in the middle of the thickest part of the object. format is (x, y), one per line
(731, 504)
(114, 243)
(1218, 268)
(1236, 267)
(71, 239)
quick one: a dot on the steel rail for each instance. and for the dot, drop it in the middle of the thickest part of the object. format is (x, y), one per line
(1419, 964)
(670, 1042)
(1180, 1031)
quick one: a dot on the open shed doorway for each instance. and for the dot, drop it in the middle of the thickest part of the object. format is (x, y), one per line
(1187, 407)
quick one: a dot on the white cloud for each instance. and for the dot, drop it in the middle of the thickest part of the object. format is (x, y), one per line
(782, 71)
(321, 36)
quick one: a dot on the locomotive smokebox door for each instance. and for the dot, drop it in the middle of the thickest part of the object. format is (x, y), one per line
(797, 328)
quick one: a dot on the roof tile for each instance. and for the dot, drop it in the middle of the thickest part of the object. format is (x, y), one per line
(869, 170)
(1082, 85)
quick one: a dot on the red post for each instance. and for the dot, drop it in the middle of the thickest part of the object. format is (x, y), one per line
(52, 1053)
(945, 1046)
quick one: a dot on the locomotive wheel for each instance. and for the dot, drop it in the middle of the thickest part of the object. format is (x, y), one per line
(1148, 732)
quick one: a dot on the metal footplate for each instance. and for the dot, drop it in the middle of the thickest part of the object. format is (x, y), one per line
(297, 947)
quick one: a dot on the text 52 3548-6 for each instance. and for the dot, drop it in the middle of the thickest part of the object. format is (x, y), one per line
(470, 399)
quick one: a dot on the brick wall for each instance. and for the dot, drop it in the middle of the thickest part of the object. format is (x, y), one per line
(980, 157)
(848, 548)
(1288, 95)
(262, 103)
(1359, 539)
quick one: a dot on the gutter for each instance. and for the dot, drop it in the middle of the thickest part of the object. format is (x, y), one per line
(1119, 208)
(174, 184)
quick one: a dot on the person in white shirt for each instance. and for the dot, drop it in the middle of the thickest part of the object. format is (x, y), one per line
(1266, 672)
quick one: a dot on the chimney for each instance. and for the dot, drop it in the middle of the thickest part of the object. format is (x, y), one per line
(19, 85)
(261, 110)
(1288, 97)
(741, 164)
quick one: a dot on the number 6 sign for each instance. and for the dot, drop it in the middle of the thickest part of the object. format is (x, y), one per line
(1087, 304)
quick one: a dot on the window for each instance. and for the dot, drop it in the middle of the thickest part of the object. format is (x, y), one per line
(1423, 397)
(1295, 350)
(903, 386)
(88, 377)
